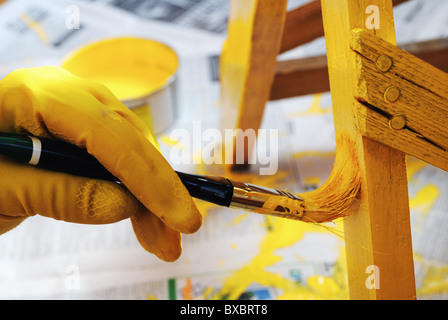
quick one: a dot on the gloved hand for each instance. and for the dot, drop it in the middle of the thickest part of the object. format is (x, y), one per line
(51, 102)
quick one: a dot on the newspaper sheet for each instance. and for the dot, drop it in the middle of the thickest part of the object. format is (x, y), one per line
(235, 255)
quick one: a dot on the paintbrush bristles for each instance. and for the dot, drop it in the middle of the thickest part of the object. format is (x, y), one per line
(338, 195)
(334, 199)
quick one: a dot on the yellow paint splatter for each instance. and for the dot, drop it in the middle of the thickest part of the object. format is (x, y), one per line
(282, 234)
(240, 218)
(435, 280)
(315, 108)
(166, 139)
(36, 27)
(425, 199)
(207, 293)
(222, 262)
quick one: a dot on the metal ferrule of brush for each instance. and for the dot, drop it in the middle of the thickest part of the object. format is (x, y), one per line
(248, 196)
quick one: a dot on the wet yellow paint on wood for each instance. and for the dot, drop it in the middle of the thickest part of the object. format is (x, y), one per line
(378, 233)
(248, 62)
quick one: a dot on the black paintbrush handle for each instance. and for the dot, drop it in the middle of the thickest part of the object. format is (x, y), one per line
(56, 155)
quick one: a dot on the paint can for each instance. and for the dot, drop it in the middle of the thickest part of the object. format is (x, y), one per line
(140, 72)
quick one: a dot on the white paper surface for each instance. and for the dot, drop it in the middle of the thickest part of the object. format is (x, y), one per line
(47, 259)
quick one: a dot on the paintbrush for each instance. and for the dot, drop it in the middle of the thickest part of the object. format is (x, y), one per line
(60, 156)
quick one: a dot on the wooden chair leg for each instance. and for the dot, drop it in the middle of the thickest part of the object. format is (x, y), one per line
(248, 65)
(379, 248)
(378, 236)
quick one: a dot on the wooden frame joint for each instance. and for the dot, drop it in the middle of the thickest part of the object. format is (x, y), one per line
(401, 101)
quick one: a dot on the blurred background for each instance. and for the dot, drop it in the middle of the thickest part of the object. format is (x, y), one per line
(235, 255)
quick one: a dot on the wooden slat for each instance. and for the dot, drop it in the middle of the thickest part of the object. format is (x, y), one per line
(435, 52)
(248, 64)
(310, 75)
(304, 24)
(300, 77)
(423, 100)
(378, 234)
(376, 127)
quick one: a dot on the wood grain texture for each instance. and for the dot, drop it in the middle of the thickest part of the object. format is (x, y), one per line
(378, 234)
(423, 100)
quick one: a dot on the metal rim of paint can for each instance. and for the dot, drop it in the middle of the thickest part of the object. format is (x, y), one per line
(158, 106)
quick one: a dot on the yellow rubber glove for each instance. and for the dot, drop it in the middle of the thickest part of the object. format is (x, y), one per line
(51, 102)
